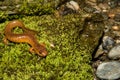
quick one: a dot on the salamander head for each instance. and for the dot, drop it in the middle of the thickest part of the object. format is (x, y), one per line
(41, 50)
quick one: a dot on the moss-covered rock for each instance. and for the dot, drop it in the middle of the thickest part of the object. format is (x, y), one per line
(70, 41)
(18, 8)
(27, 7)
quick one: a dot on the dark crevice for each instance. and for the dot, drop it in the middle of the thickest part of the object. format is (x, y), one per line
(96, 48)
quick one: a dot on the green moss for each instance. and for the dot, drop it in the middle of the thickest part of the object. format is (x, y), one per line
(69, 59)
(38, 7)
(3, 16)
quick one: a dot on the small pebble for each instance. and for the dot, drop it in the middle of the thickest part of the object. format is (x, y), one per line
(73, 5)
(108, 70)
(117, 41)
(117, 17)
(114, 52)
(89, 9)
(18, 6)
(115, 28)
(111, 15)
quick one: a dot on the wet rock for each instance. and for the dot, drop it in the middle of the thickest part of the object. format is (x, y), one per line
(114, 52)
(108, 43)
(109, 70)
(99, 52)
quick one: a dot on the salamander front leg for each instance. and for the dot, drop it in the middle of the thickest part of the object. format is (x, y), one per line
(32, 50)
(5, 40)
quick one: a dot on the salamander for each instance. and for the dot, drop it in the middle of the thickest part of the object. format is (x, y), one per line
(27, 36)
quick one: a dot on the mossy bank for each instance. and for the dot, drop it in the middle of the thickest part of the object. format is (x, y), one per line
(69, 40)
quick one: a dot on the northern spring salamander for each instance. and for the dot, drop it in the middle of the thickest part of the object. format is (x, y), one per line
(27, 36)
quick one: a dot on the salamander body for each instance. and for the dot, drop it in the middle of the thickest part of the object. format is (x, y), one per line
(27, 36)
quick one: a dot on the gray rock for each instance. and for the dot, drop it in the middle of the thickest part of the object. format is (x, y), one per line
(114, 53)
(109, 70)
(108, 43)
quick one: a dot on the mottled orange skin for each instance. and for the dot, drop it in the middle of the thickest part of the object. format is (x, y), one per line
(27, 36)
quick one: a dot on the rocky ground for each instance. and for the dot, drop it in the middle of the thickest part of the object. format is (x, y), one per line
(107, 56)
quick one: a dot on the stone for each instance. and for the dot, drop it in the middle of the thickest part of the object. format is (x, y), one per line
(114, 52)
(109, 70)
(108, 43)
(73, 5)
